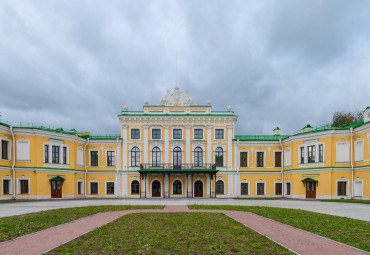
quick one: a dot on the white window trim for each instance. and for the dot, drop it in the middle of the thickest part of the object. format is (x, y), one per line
(130, 188)
(275, 188)
(349, 151)
(214, 134)
(106, 187)
(9, 149)
(305, 156)
(83, 190)
(22, 140)
(115, 157)
(264, 187)
(135, 139)
(285, 188)
(249, 188)
(10, 185)
(220, 179)
(90, 187)
(50, 154)
(151, 133)
(362, 187)
(203, 153)
(79, 148)
(264, 158)
(93, 149)
(248, 155)
(19, 186)
(202, 128)
(224, 156)
(359, 141)
(182, 133)
(129, 155)
(278, 150)
(182, 187)
(347, 187)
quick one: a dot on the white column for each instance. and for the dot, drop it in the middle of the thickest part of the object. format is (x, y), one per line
(236, 156)
(124, 185)
(118, 162)
(190, 185)
(166, 182)
(208, 178)
(124, 147)
(209, 144)
(188, 151)
(237, 184)
(146, 143)
(166, 144)
(230, 146)
(230, 185)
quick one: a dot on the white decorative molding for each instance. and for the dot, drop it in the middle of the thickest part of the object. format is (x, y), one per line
(177, 98)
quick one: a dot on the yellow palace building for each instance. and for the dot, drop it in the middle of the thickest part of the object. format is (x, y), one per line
(179, 149)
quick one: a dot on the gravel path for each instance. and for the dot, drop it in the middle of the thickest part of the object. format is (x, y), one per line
(294, 239)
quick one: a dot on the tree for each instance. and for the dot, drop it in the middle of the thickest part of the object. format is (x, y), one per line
(344, 119)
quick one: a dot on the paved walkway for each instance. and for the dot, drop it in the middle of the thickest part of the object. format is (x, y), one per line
(355, 211)
(294, 239)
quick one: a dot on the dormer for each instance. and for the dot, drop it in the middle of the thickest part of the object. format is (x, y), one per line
(277, 131)
(307, 128)
(367, 115)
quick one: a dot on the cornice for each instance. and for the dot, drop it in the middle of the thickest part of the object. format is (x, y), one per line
(48, 134)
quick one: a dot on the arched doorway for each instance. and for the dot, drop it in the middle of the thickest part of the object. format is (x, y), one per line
(156, 189)
(198, 189)
(56, 187)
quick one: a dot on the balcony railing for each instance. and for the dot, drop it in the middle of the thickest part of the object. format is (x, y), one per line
(178, 166)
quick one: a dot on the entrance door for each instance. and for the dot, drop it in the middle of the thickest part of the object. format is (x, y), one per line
(56, 188)
(198, 189)
(156, 189)
(310, 189)
(177, 158)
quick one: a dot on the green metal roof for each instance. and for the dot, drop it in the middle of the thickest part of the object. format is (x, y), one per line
(57, 130)
(260, 137)
(4, 124)
(102, 137)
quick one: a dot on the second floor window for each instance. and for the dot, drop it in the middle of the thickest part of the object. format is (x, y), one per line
(135, 133)
(198, 133)
(64, 155)
(46, 153)
(277, 158)
(94, 159)
(110, 158)
(243, 159)
(198, 157)
(156, 157)
(219, 134)
(135, 156)
(219, 154)
(177, 134)
(55, 154)
(260, 160)
(156, 134)
(302, 155)
(321, 153)
(4, 150)
(311, 150)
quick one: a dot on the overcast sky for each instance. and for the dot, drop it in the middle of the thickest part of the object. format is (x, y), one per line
(75, 64)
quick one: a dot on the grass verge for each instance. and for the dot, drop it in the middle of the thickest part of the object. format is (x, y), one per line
(172, 233)
(16, 226)
(347, 201)
(352, 232)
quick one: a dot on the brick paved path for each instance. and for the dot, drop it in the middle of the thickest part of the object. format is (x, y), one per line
(294, 239)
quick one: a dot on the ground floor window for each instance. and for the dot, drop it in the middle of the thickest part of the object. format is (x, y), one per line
(287, 191)
(220, 187)
(278, 188)
(177, 189)
(260, 189)
(244, 189)
(110, 187)
(24, 185)
(79, 188)
(135, 187)
(6, 187)
(342, 188)
(94, 188)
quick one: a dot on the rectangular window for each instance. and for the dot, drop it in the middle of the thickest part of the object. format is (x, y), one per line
(110, 187)
(23, 186)
(94, 188)
(135, 133)
(278, 188)
(156, 134)
(321, 153)
(79, 188)
(311, 150)
(342, 189)
(287, 188)
(244, 189)
(55, 154)
(219, 134)
(302, 155)
(46, 153)
(177, 133)
(110, 158)
(260, 189)
(64, 155)
(260, 159)
(243, 159)
(198, 133)
(94, 159)
(6, 187)
(4, 150)
(277, 158)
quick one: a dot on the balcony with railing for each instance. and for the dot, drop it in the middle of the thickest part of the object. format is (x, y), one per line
(168, 166)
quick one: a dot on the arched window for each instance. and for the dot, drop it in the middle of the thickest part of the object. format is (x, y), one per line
(156, 157)
(219, 153)
(135, 187)
(135, 156)
(220, 187)
(177, 158)
(177, 187)
(198, 157)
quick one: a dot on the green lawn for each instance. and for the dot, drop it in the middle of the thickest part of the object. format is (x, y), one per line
(15, 226)
(346, 201)
(172, 233)
(345, 230)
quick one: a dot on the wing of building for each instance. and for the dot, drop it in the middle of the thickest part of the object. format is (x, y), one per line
(180, 149)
